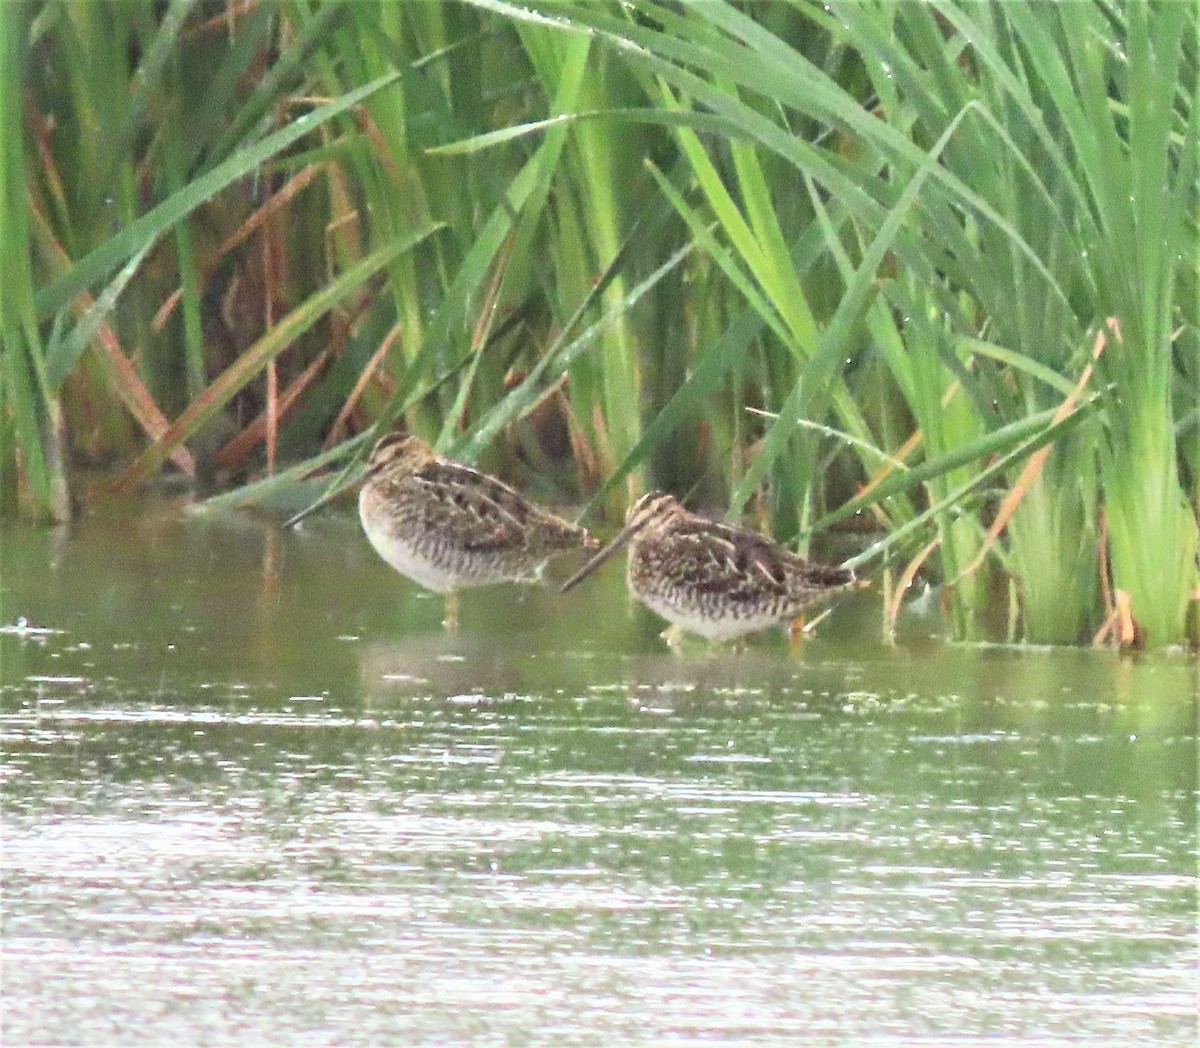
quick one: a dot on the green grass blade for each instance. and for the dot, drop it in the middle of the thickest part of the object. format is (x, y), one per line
(1044, 434)
(819, 370)
(150, 226)
(234, 378)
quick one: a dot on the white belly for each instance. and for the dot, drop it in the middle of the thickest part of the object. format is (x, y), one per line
(711, 629)
(402, 556)
(405, 560)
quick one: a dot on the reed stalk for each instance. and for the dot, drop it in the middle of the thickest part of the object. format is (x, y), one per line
(32, 470)
(822, 259)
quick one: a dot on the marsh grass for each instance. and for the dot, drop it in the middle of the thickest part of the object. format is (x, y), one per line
(927, 266)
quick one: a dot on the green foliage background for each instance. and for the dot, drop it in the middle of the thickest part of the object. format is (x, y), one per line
(837, 262)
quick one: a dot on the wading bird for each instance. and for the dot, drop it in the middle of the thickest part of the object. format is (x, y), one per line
(447, 526)
(712, 579)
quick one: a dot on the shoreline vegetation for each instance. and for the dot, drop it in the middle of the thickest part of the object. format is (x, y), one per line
(926, 271)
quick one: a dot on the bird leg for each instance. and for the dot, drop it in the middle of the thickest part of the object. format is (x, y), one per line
(673, 635)
(796, 631)
(451, 619)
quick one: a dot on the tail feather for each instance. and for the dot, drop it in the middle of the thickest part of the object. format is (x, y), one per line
(572, 536)
(832, 576)
(821, 582)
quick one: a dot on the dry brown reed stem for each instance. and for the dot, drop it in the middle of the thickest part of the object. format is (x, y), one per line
(272, 414)
(908, 447)
(1037, 461)
(124, 379)
(42, 128)
(243, 232)
(1102, 564)
(554, 391)
(235, 452)
(335, 227)
(361, 383)
(1119, 624)
(906, 579)
(269, 241)
(226, 21)
(121, 375)
(586, 459)
(1128, 633)
(366, 125)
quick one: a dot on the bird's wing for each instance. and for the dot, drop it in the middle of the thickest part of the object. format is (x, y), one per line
(743, 565)
(485, 515)
(733, 561)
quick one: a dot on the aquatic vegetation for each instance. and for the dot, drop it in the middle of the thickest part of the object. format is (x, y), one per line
(927, 269)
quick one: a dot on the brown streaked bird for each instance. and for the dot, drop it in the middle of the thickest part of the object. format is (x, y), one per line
(718, 581)
(447, 526)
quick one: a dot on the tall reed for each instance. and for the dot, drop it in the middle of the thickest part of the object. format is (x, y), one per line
(31, 459)
(931, 266)
(1010, 219)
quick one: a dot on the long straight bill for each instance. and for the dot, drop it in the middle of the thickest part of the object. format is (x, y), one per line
(323, 501)
(623, 536)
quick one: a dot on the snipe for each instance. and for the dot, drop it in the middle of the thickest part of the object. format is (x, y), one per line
(708, 578)
(447, 526)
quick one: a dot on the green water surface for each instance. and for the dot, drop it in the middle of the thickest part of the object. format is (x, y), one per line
(253, 793)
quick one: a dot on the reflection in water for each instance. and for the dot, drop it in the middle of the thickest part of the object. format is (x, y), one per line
(246, 803)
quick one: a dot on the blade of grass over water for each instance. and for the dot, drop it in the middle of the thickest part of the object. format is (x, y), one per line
(202, 410)
(288, 488)
(1015, 434)
(818, 371)
(1045, 435)
(111, 360)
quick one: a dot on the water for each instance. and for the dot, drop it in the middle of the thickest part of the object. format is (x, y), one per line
(253, 793)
